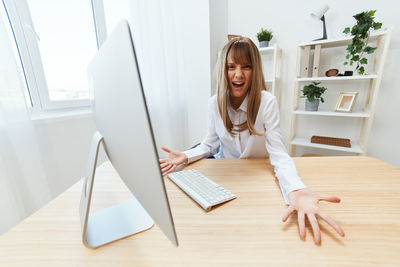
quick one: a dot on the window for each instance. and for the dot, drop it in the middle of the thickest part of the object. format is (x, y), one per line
(5, 21)
(56, 40)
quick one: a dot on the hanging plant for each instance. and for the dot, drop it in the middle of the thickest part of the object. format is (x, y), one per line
(358, 47)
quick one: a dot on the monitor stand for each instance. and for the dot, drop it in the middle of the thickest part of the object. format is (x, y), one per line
(112, 223)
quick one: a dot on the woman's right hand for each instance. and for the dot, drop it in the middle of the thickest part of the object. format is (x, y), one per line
(175, 158)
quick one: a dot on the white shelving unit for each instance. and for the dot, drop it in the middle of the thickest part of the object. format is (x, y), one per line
(301, 141)
(332, 113)
(273, 79)
(333, 79)
(306, 73)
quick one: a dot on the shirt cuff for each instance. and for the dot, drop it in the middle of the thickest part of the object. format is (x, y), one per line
(194, 154)
(298, 184)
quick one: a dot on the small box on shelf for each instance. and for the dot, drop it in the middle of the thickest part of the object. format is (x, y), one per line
(333, 141)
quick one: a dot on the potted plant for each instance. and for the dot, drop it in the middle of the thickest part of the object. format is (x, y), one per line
(313, 93)
(264, 36)
(359, 45)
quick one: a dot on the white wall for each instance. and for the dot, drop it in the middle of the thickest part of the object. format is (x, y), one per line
(218, 34)
(195, 29)
(64, 146)
(291, 22)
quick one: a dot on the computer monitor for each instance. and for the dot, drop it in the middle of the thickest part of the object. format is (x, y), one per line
(124, 129)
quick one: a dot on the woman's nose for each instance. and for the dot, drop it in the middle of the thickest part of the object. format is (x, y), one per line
(238, 73)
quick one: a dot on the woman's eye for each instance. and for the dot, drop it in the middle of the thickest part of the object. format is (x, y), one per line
(230, 67)
(247, 67)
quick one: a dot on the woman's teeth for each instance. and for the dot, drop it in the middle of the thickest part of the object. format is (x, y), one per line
(238, 84)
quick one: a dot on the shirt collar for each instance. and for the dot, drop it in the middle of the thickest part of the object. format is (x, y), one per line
(243, 106)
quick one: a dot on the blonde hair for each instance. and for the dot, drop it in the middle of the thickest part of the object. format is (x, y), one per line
(243, 51)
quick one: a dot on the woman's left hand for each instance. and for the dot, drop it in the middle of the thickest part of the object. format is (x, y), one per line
(305, 202)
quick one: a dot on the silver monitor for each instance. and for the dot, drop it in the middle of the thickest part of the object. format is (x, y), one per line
(124, 129)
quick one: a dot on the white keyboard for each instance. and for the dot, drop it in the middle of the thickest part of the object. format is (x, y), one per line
(200, 188)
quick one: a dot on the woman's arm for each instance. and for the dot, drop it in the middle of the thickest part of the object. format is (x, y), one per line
(284, 167)
(301, 199)
(207, 147)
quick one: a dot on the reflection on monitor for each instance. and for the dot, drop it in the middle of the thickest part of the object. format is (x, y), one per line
(124, 129)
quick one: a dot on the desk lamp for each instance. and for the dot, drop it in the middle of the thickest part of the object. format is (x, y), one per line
(320, 15)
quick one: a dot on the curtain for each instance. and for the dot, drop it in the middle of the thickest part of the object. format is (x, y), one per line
(23, 183)
(158, 43)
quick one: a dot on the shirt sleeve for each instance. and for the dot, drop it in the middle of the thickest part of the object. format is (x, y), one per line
(284, 167)
(209, 146)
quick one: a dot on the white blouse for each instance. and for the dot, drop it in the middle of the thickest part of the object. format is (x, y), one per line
(221, 144)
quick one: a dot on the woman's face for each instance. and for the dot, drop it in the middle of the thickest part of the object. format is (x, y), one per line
(239, 78)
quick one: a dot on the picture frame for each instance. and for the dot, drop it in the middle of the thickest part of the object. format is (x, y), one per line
(231, 36)
(346, 101)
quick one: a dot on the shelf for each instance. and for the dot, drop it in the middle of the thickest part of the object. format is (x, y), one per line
(309, 56)
(337, 78)
(355, 148)
(332, 113)
(341, 41)
(266, 49)
(272, 56)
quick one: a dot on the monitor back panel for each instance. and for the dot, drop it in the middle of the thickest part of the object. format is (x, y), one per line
(122, 118)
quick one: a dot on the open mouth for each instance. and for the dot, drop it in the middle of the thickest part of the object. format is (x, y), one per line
(238, 85)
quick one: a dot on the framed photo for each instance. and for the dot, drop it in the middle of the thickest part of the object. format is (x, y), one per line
(346, 101)
(231, 36)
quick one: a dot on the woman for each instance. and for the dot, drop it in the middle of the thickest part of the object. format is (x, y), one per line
(243, 122)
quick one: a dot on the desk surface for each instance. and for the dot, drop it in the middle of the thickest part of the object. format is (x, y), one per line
(244, 232)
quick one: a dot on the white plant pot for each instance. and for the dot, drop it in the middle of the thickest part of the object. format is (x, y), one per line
(264, 43)
(312, 106)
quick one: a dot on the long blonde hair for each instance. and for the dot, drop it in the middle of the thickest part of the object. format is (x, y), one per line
(243, 51)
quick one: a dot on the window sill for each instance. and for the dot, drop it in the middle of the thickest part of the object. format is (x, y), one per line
(52, 116)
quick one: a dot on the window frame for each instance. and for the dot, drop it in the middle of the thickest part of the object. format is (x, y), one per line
(26, 41)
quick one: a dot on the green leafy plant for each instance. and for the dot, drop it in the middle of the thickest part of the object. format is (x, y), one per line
(312, 91)
(358, 47)
(264, 35)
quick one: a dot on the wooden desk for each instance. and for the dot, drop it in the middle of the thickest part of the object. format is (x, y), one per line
(245, 232)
